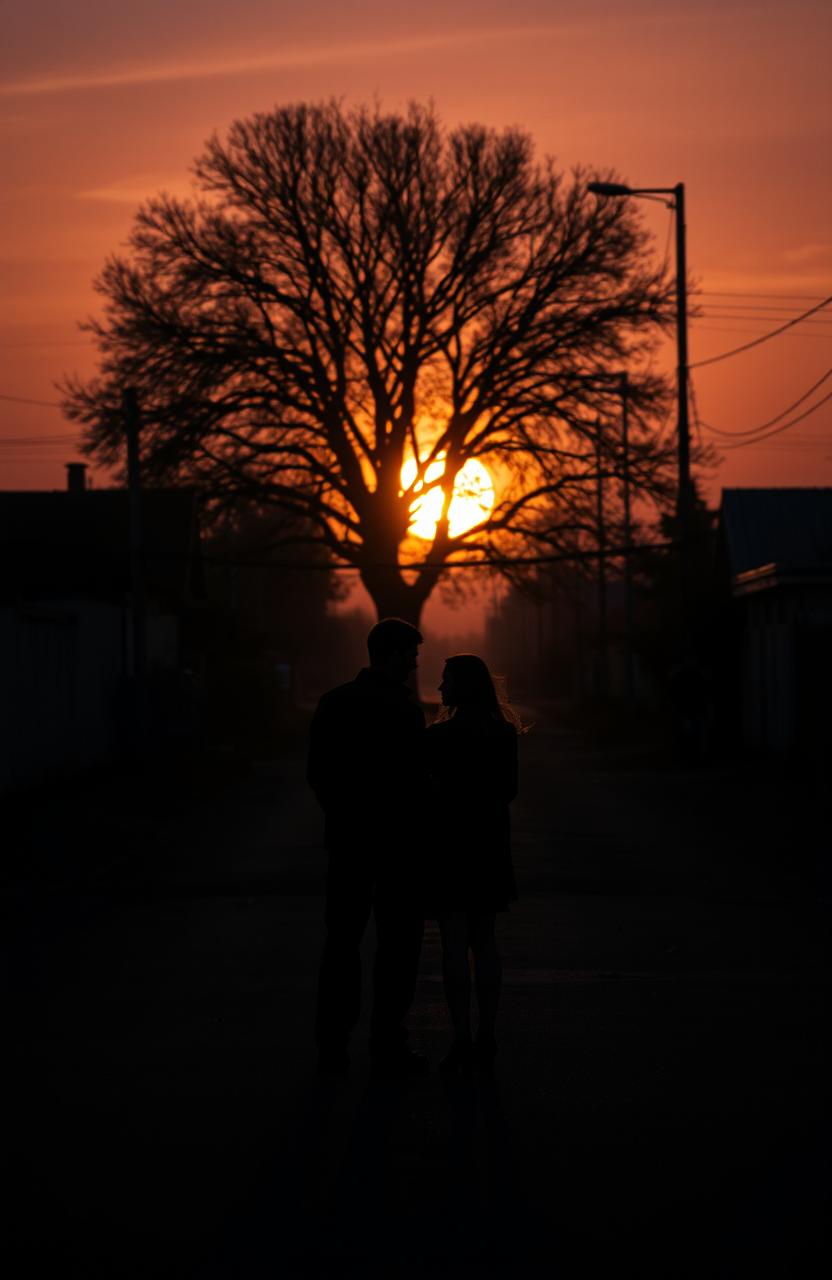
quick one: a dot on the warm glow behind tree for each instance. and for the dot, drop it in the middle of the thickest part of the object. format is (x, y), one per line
(472, 499)
(350, 289)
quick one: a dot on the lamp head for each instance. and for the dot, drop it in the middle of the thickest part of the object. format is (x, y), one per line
(609, 189)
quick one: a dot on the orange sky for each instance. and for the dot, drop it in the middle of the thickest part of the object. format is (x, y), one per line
(102, 104)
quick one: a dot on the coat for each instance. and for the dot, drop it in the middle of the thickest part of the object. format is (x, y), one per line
(472, 769)
(366, 765)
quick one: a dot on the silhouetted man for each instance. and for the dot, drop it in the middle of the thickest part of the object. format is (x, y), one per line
(365, 767)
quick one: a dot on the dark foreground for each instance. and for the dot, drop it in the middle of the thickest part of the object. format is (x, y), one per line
(659, 1096)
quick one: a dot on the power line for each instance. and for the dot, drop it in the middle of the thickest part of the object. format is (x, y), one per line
(741, 305)
(790, 297)
(699, 364)
(25, 440)
(793, 447)
(753, 431)
(489, 563)
(46, 404)
(784, 426)
(736, 314)
(708, 327)
(754, 434)
(25, 462)
(45, 342)
(659, 436)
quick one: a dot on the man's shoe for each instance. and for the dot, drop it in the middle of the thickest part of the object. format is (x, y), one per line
(399, 1063)
(458, 1063)
(333, 1063)
(484, 1053)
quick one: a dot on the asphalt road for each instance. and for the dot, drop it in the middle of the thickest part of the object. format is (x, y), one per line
(659, 1102)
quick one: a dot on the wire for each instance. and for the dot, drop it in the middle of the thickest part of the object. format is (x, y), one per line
(753, 431)
(699, 364)
(25, 462)
(794, 334)
(46, 404)
(660, 434)
(46, 342)
(794, 445)
(53, 439)
(784, 426)
(791, 297)
(749, 316)
(753, 307)
(799, 334)
(491, 562)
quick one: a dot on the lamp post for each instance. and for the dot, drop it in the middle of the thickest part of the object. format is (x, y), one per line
(603, 669)
(622, 385)
(624, 392)
(138, 610)
(683, 494)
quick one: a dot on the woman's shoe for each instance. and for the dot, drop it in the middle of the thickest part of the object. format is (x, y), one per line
(333, 1063)
(458, 1061)
(484, 1051)
(398, 1063)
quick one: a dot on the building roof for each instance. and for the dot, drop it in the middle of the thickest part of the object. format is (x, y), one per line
(71, 544)
(787, 528)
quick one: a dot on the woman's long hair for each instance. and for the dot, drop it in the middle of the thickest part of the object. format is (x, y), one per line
(477, 690)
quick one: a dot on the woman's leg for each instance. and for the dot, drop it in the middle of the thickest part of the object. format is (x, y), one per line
(348, 905)
(456, 971)
(488, 972)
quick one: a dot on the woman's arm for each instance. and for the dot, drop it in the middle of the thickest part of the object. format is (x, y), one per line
(510, 765)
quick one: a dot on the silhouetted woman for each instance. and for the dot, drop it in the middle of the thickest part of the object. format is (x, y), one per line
(472, 760)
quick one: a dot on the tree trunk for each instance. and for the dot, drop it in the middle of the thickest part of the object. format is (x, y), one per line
(394, 598)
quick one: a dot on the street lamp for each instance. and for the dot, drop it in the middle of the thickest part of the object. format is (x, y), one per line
(677, 202)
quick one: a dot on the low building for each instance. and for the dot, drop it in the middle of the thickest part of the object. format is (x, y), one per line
(776, 554)
(66, 652)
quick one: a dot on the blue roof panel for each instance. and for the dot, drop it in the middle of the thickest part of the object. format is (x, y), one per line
(791, 528)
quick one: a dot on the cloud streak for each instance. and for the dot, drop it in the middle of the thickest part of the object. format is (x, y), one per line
(806, 254)
(135, 190)
(290, 60)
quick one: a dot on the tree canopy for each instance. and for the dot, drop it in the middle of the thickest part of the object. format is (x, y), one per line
(350, 289)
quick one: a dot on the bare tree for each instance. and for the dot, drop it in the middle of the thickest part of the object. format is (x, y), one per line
(350, 289)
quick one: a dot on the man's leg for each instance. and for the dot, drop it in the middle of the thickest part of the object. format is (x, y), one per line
(488, 972)
(348, 905)
(456, 971)
(399, 929)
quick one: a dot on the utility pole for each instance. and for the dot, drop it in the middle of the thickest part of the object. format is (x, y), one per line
(138, 607)
(683, 492)
(620, 190)
(624, 389)
(603, 654)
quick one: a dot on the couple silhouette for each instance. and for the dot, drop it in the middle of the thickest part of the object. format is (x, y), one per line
(417, 826)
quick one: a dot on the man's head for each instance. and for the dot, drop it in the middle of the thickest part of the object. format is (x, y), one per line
(393, 647)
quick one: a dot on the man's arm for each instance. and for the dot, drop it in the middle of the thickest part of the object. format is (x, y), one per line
(319, 765)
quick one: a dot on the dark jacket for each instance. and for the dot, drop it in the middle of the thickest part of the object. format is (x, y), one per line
(366, 763)
(472, 766)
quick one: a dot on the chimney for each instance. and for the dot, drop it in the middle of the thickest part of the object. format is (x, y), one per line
(76, 477)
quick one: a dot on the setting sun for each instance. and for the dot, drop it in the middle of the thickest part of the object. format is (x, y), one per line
(472, 500)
